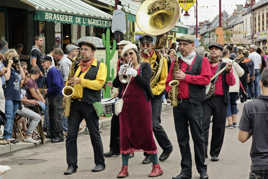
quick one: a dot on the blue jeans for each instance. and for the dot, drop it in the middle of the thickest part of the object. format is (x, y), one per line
(257, 89)
(10, 111)
(65, 123)
(45, 111)
(232, 106)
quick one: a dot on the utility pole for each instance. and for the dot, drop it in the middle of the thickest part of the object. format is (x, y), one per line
(196, 18)
(115, 4)
(220, 14)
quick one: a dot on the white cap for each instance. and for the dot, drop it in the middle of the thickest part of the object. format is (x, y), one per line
(124, 42)
(253, 46)
(128, 47)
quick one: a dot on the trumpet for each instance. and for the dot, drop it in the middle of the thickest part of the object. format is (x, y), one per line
(123, 77)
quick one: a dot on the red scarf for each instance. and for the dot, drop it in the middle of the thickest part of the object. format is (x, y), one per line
(85, 65)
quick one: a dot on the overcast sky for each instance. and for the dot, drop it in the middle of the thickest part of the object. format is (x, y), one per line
(208, 9)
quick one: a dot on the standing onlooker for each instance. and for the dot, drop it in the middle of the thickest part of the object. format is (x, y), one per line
(3, 46)
(55, 108)
(63, 63)
(13, 77)
(19, 49)
(256, 58)
(35, 58)
(254, 123)
(263, 62)
(72, 51)
(233, 90)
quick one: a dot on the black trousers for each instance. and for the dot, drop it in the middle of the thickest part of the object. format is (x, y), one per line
(159, 131)
(55, 112)
(261, 174)
(115, 135)
(80, 111)
(190, 114)
(216, 108)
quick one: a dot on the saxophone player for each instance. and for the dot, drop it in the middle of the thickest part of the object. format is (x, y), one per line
(89, 78)
(193, 74)
(158, 82)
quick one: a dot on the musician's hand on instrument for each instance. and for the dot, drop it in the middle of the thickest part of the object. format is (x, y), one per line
(180, 75)
(229, 66)
(122, 69)
(132, 72)
(76, 80)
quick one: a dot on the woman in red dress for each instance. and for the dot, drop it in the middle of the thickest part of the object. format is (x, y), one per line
(136, 133)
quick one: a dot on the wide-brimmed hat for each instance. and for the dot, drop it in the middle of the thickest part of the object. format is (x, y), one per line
(216, 45)
(86, 40)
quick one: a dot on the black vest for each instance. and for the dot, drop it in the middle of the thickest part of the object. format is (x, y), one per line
(90, 96)
(197, 93)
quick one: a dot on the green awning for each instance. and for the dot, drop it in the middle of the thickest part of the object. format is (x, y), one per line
(179, 29)
(70, 12)
(70, 19)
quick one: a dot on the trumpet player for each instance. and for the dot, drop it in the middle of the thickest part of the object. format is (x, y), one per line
(193, 74)
(88, 80)
(136, 131)
(158, 84)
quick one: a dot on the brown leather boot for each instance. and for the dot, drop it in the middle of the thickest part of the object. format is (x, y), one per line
(123, 173)
(156, 171)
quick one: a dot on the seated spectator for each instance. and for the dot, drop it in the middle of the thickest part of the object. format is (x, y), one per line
(27, 112)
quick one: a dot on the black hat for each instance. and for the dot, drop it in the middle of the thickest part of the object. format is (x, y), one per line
(216, 45)
(47, 58)
(146, 38)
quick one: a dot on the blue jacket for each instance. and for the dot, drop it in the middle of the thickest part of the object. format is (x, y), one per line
(55, 82)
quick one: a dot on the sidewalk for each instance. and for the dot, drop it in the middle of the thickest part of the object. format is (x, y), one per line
(10, 148)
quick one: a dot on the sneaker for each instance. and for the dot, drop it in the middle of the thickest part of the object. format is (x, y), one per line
(235, 125)
(229, 126)
(30, 140)
(4, 169)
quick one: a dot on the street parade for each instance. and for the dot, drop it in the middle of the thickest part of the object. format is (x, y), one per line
(101, 89)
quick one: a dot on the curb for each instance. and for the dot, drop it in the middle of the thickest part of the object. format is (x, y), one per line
(11, 148)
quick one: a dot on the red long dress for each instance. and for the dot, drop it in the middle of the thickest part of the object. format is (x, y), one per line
(136, 133)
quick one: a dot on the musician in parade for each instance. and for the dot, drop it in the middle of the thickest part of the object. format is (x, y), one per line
(88, 80)
(158, 83)
(192, 72)
(114, 131)
(215, 105)
(136, 133)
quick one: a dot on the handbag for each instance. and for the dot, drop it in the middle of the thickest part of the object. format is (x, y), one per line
(118, 105)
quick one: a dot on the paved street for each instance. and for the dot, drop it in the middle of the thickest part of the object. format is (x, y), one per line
(48, 161)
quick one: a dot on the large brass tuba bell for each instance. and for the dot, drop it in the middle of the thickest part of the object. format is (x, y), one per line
(156, 17)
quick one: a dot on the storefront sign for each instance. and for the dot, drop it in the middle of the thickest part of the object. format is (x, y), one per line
(70, 19)
(181, 30)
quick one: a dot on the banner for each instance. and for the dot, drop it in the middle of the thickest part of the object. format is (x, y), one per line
(71, 19)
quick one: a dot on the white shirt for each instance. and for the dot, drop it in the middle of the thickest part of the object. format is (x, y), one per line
(64, 67)
(256, 58)
(189, 59)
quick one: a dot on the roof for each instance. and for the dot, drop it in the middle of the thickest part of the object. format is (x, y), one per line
(128, 5)
(259, 4)
(73, 7)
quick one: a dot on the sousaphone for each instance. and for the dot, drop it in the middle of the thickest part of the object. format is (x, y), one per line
(156, 17)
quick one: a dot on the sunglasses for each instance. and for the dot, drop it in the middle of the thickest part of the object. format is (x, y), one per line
(129, 53)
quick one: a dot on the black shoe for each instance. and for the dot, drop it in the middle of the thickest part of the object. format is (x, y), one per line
(165, 154)
(98, 168)
(57, 140)
(214, 158)
(70, 170)
(131, 155)
(204, 175)
(182, 176)
(147, 160)
(110, 154)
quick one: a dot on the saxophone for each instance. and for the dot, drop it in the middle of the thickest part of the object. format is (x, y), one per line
(173, 94)
(68, 91)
